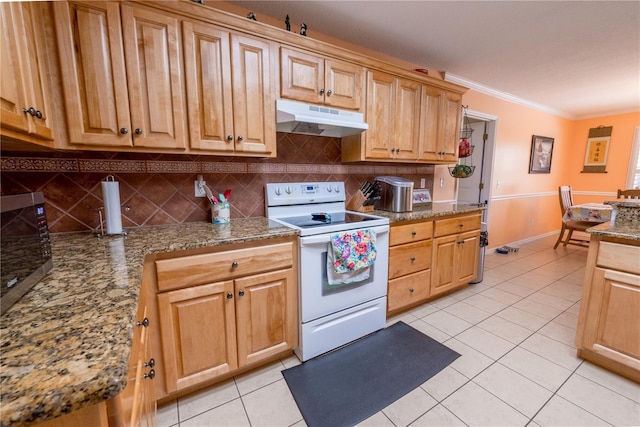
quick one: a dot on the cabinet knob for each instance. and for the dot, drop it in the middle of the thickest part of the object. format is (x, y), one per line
(234, 265)
(413, 233)
(461, 225)
(240, 138)
(124, 131)
(229, 295)
(241, 293)
(145, 322)
(229, 138)
(322, 91)
(150, 364)
(412, 258)
(150, 375)
(38, 114)
(329, 92)
(411, 290)
(138, 131)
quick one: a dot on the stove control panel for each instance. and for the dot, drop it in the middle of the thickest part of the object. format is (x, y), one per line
(421, 196)
(293, 193)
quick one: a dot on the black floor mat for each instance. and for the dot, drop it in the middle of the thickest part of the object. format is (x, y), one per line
(346, 386)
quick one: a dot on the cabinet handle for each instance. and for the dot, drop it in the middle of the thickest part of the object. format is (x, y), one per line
(411, 290)
(240, 138)
(150, 375)
(145, 322)
(138, 131)
(322, 91)
(124, 131)
(412, 258)
(150, 364)
(229, 295)
(38, 114)
(413, 233)
(234, 265)
(329, 92)
(241, 293)
(229, 138)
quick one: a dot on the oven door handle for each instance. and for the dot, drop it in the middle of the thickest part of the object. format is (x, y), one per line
(324, 238)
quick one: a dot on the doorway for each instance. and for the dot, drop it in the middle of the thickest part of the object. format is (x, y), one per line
(476, 189)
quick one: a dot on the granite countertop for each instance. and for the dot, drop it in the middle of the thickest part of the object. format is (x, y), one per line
(66, 344)
(625, 221)
(428, 211)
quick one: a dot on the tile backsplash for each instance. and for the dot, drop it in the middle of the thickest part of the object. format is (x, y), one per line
(158, 189)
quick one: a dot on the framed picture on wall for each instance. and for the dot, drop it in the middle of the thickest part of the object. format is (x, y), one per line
(541, 153)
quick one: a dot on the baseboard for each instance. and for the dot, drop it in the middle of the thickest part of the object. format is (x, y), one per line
(523, 241)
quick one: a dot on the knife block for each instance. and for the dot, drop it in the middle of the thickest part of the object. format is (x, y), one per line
(356, 203)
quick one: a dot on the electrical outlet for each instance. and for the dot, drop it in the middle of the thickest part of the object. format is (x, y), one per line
(423, 182)
(198, 190)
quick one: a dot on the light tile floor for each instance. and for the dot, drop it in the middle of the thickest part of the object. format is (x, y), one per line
(515, 332)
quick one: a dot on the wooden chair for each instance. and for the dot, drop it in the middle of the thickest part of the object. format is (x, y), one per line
(628, 194)
(566, 200)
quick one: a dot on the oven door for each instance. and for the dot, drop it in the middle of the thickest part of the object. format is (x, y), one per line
(318, 298)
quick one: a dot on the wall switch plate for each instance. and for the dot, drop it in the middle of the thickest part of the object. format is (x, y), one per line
(198, 189)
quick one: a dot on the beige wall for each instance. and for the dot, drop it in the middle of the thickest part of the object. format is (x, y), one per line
(526, 205)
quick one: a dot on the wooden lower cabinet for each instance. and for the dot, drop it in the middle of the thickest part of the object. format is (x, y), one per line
(456, 251)
(608, 331)
(409, 265)
(214, 326)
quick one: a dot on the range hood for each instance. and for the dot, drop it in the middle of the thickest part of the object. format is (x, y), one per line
(308, 119)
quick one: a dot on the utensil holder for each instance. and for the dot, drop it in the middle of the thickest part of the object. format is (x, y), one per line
(221, 213)
(356, 203)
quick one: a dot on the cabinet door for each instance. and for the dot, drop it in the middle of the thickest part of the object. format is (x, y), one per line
(93, 73)
(611, 328)
(468, 248)
(154, 73)
(430, 107)
(253, 102)
(343, 84)
(380, 138)
(451, 112)
(197, 326)
(24, 89)
(301, 76)
(407, 124)
(444, 255)
(267, 318)
(207, 60)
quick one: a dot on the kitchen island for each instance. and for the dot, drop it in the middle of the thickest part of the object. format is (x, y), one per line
(608, 331)
(67, 343)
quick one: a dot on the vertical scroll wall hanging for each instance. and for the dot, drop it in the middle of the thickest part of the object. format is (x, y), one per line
(595, 158)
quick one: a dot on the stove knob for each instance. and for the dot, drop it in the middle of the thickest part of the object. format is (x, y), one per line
(329, 189)
(336, 188)
(278, 191)
(289, 189)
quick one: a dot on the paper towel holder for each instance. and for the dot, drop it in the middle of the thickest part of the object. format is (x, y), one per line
(99, 231)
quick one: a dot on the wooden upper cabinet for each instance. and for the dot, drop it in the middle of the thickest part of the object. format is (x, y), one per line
(393, 108)
(253, 95)
(439, 125)
(207, 61)
(154, 74)
(311, 78)
(122, 77)
(24, 88)
(93, 73)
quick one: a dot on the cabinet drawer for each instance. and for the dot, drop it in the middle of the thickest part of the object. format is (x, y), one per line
(456, 225)
(176, 273)
(408, 290)
(410, 233)
(409, 258)
(619, 257)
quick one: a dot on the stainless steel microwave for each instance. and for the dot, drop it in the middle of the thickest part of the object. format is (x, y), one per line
(25, 249)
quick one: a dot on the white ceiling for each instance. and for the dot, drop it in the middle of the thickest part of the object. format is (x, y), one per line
(576, 59)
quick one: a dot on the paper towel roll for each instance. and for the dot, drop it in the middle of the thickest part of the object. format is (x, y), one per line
(111, 199)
